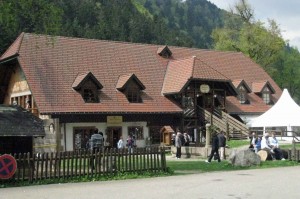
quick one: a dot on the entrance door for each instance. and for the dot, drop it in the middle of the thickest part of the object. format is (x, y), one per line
(113, 136)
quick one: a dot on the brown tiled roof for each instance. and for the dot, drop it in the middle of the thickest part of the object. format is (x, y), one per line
(257, 87)
(51, 64)
(203, 70)
(13, 49)
(81, 78)
(177, 75)
(239, 82)
(179, 72)
(124, 79)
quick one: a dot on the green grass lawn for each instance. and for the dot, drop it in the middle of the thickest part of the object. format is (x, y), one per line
(237, 143)
(240, 143)
(199, 166)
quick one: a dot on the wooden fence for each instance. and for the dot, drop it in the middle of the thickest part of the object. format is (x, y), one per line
(34, 167)
(293, 154)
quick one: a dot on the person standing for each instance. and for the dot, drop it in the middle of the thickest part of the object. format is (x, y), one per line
(120, 143)
(186, 139)
(214, 148)
(178, 144)
(253, 140)
(173, 139)
(130, 144)
(222, 145)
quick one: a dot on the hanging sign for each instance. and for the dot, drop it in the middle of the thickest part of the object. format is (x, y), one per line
(114, 120)
(204, 88)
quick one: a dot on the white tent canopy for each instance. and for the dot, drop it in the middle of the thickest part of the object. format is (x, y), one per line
(285, 113)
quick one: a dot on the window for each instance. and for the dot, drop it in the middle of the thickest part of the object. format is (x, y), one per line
(132, 87)
(88, 86)
(25, 102)
(81, 136)
(134, 95)
(136, 131)
(242, 95)
(266, 95)
(187, 102)
(90, 96)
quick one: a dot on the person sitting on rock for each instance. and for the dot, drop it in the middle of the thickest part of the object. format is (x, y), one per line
(265, 145)
(275, 147)
(257, 146)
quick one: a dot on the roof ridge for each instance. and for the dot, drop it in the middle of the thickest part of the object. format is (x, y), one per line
(209, 67)
(182, 58)
(143, 44)
(17, 43)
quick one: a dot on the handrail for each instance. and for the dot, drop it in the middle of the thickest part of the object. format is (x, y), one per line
(226, 122)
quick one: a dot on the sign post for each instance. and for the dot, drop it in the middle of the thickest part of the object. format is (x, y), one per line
(8, 166)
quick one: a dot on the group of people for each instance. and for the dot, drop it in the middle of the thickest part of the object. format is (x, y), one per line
(179, 141)
(130, 143)
(96, 140)
(267, 143)
(218, 143)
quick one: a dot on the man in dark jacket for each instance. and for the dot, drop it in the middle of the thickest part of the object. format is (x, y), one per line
(214, 148)
(222, 144)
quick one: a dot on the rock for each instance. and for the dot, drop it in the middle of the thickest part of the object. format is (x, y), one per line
(264, 155)
(244, 158)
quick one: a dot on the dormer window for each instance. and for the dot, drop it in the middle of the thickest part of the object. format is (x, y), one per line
(266, 95)
(133, 95)
(243, 89)
(264, 90)
(88, 86)
(90, 95)
(164, 51)
(242, 95)
(132, 87)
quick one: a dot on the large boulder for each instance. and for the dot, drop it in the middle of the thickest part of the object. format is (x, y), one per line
(244, 157)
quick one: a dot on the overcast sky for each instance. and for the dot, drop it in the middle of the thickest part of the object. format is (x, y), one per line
(285, 12)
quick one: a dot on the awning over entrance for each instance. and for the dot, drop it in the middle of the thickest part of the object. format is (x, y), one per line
(16, 121)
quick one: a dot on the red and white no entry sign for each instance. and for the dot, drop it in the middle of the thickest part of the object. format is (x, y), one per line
(8, 166)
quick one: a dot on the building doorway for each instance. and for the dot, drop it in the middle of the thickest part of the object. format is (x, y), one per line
(113, 136)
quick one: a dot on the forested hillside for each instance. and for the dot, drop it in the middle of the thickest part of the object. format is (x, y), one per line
(190, 23)
(195, 18)
(173, 22)
(122, 20)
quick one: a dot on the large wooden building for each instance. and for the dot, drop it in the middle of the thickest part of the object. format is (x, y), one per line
(121, 88)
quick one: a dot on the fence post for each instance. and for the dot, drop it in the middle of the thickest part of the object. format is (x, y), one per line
(290, 154)
(163, 159)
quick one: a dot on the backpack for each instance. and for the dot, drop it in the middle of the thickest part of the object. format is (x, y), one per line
(130, 142)
(96, 141)
(187, 139)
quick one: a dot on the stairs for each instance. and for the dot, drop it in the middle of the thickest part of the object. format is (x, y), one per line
(226, 123)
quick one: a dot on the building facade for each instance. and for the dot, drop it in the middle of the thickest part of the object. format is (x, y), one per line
(77, 85)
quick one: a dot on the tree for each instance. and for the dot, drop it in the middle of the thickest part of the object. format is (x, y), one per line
(262, 44)
(287, 71)
(18, 16)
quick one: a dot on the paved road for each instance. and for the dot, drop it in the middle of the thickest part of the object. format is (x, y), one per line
(272, 183)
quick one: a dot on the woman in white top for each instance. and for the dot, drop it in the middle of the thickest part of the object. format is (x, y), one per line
(121, 143)
(275, 146)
